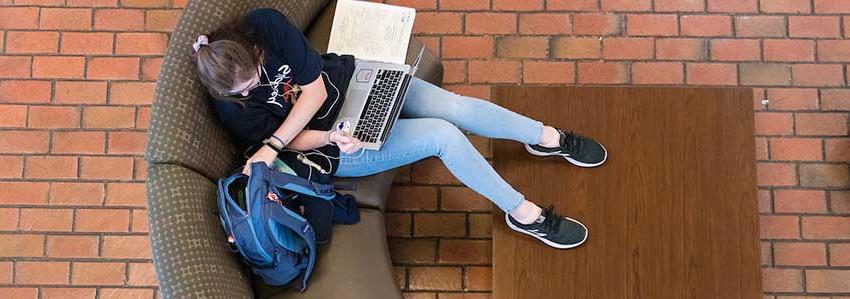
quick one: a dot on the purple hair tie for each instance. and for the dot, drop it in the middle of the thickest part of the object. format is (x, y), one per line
(202, 40)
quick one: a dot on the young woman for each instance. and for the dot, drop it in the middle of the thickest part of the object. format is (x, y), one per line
(270, 91)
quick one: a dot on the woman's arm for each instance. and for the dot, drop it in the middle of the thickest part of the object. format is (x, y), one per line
(309, 139)
(311, 99)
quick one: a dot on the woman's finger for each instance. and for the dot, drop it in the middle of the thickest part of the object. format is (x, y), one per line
(351, 148)
(354, 147)
(346, 148)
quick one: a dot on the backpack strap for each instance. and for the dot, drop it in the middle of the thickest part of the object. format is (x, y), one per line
(224, 200)
(224, 203)
(345, 186)
(291, 182)
(298, 224)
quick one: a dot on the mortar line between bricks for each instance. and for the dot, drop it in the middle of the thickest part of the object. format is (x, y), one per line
(490, 3)
(130, 221)
(463, 278)
(828, 255)
(805, 295)
(468, 223)
(92, 207)
(406, 278)
(68, 180)
(79, 286)
(88, 233)
(126, 273)
(812, 6)
(803, 280)
(770, 258)
(810, 241)
(78, 80)
(83, 260)
(793, 120)
(38, 17)
(731, 62)
(86, 56)
(84, 155)
(14, 274)
(70, 271)
(812, 188)
(595, 36)
(772, 204)
(796, 267)
(73, 221)
(787, 24)
(114, 32)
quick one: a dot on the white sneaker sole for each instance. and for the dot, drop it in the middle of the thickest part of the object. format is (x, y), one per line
(571, 160)
(545, 241)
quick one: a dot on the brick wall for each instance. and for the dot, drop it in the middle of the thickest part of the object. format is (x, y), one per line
(75, 90)
(76, 82)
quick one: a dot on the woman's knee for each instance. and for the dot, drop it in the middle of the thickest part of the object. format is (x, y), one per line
(446, 135)
(459, 106)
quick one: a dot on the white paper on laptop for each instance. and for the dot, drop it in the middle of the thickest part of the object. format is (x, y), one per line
(371, 31)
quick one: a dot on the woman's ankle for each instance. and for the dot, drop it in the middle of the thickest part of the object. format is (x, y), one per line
(526, 213)
(550, 137)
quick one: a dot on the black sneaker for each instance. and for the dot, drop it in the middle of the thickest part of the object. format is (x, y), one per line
(578, 150)
(550, 228)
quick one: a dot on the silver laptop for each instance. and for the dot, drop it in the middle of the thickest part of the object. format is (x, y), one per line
(374, 99)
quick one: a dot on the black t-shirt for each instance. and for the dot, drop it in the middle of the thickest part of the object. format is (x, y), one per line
(289, 62)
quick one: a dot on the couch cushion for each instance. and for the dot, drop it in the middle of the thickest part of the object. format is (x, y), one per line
(430, 68)
(190, 254)
(372, 190)
(184, 130)
(356, 264)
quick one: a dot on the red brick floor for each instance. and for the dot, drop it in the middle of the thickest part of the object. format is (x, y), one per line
(75, 90)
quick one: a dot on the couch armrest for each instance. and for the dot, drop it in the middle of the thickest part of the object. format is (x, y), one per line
(190, 251)
(183, 122)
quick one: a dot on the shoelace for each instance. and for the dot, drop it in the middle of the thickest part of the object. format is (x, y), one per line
(571, 142)
(550, 225)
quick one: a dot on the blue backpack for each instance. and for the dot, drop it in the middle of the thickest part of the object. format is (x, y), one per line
(273, 238)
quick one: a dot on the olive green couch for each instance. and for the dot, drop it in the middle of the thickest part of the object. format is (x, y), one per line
(188, 150)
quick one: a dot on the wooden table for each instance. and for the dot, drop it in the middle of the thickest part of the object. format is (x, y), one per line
(672, 213)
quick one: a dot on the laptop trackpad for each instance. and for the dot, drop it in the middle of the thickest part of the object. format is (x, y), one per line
(364, 75)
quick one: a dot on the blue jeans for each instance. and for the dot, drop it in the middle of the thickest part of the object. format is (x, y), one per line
(430, 125)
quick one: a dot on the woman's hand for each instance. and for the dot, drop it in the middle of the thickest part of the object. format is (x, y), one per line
(265, 154)
(345, 141)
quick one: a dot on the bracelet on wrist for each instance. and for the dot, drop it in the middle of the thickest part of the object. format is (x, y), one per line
(268, 142)
(282, 144)
(274, 148)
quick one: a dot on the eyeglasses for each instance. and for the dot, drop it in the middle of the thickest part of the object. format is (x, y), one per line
(248, 89)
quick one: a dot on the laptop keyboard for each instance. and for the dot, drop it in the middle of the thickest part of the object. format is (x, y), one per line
(378, 105)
